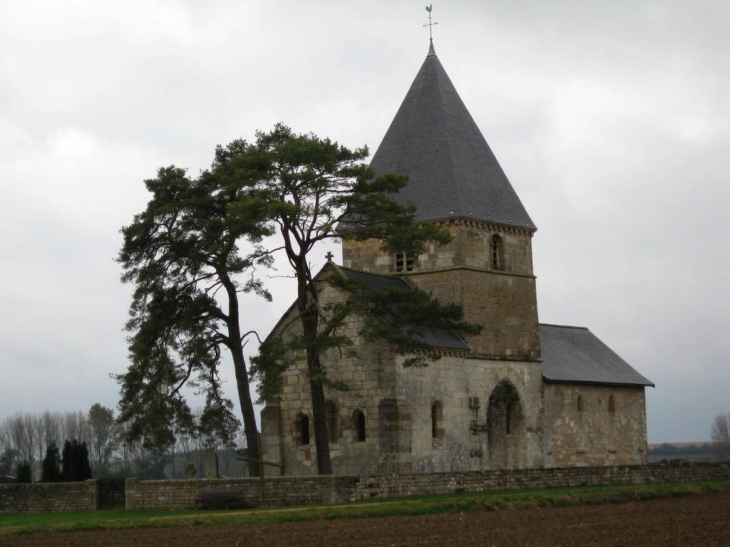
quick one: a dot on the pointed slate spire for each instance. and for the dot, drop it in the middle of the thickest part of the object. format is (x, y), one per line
(452, 171)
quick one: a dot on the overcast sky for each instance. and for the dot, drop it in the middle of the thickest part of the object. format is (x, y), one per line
(611, 120)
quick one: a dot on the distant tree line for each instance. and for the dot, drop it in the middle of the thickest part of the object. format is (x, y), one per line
(73, 445)
(668, 448)
(699, 452)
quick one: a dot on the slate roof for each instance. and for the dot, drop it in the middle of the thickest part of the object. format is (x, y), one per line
(452, 171)
(436, 338)
(576, 355)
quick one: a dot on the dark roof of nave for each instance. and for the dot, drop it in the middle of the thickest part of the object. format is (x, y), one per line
(452, 171)
(435, 338)
(445, 339)
(576, 355)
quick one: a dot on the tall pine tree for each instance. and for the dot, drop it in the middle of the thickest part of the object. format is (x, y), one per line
(51, 471)
(75, 465)
(190, 261)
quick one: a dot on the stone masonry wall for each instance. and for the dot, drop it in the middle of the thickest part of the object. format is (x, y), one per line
(462, 388)
(607, 426)
(180, 494)
(397, 402)
(505, 305)
(469, 247)
(368, 372)
(375, 487)
(503, 301)
(47, 498)
(341, 489)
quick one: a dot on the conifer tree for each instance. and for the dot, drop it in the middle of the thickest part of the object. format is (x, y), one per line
(190, 261)
(24, 473)
(51, 471)
(75, 465)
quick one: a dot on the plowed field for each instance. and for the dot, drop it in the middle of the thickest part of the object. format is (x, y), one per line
(702, 521)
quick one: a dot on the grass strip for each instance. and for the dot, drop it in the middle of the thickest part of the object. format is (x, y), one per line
(426, 505)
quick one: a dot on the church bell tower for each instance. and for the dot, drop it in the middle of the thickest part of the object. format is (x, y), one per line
(455, 181)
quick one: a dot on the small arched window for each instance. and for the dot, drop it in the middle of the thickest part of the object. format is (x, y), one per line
(580, 403)
(358, 418)
(437, 430)
(611, 404)
(404, 261)
(302, 427)
(330, 410)
(497, 250)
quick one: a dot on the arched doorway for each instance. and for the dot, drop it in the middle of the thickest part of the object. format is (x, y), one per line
(505, 420)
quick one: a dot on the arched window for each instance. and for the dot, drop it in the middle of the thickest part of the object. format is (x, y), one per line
(330, 410)
(437, 429)
(579, 403)
(302, 428)
(497, 249)
(403, 261)
(611, 404)
(358, 418)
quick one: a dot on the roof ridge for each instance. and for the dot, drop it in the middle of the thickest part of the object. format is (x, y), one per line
(363, 272)
(460, 209)
(562, 326)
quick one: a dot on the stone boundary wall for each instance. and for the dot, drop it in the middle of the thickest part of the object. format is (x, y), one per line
(48, 498)
(142, 494)
(181, 494)
(380, 487)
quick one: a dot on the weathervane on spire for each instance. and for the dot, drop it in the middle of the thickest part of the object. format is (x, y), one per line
(430, 24)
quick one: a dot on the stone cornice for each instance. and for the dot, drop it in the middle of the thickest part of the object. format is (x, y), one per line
(421, 271)
(484, 225)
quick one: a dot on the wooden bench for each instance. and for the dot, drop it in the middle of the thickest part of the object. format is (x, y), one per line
(220, 499)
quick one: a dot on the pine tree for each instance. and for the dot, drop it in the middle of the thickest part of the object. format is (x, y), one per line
(184, 255)
(23, 473)
(75, 461)
(51, 471)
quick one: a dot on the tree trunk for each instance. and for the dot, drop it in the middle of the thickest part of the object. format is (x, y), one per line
(310, 321)
(242, 383)
(247, 410)
(319, 419)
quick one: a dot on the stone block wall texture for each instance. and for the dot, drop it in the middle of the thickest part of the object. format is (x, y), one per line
(481, 481)
(503, 301)
(469, 246)
(340, 489)
(609, 428)
(370, 377)
(47, 498)
(458, 386)
(181, 494)
(397, 403)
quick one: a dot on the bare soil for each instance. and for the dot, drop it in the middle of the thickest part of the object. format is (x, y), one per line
(702, 521)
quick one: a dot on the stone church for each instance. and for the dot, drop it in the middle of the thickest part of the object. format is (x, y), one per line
(521, 394)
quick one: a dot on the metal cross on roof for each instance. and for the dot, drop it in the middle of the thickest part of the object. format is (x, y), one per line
(329, 256)
(430, 24)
